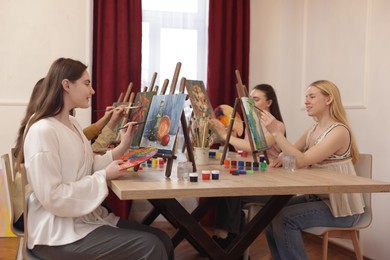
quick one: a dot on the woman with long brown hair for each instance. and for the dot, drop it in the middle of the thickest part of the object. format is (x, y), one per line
(69, 183)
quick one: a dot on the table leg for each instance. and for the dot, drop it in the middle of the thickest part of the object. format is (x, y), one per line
(189, 228)
(178, 216)
(151, 216)
(252, 230)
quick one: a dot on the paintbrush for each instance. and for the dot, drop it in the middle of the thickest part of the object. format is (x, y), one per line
(138, 123)
(261, 110)
(99, 110)
(132, 107)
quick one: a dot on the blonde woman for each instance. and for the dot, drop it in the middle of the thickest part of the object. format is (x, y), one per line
(330, 144)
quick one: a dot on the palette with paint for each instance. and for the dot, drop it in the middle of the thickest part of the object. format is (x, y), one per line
(136, 157)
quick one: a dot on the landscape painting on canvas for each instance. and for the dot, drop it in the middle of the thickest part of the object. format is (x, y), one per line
(163, 121)
(142, 102)
(252, 115)
(199, 99)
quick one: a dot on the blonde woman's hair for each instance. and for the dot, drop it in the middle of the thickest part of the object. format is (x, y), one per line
(337, 111)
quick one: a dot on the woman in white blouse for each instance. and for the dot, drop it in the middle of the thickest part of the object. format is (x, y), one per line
(69, 183)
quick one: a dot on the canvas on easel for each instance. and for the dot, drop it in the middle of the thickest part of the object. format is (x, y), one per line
(253, 127)
(162, 124)
(163, 121)
(142, 103)
(199, 98)
(254, 124)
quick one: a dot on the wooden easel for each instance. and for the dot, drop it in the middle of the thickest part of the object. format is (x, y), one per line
(242, 92)
(172, 156)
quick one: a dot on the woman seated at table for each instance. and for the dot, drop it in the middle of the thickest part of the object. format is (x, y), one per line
(69, 182)
(103, 130)
(265, 98)
(330, 144)
(228, 219)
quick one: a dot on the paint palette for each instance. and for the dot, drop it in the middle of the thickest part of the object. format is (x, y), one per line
(224, 113)
(137, 157)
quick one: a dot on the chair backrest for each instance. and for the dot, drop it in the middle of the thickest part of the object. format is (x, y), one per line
(363, 168)
(27, 253)
(10, 180)
(13, 161)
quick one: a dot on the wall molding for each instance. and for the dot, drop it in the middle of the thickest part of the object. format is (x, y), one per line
(326, 30)
(13, 103)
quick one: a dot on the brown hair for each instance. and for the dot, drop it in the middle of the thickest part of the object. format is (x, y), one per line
(50, 100)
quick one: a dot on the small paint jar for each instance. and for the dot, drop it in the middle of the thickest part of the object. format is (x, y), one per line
(249, 172)
(241, 165)
(193, 177)
(248, 166)
(215, 174)
(161, 163)
(255, 166)
(242, 172)
(233, 164)
(244, 154)
(236, 172)
(226, 163)
(217, 155)
(206, 175)
(263, 163)
(211, 154)
(232, 170)
(154, 163)
(149, 163)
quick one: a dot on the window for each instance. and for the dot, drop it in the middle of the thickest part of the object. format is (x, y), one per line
(174, 31)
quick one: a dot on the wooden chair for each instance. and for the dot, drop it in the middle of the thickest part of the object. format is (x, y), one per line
(10, 180)
(23, 251)
(364, 169)
(27, 253)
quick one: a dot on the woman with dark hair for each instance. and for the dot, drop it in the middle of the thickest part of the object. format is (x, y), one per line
(265, 98)
(229, 213)
(69, 183)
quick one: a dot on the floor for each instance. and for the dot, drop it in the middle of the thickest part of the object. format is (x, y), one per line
(258, 250)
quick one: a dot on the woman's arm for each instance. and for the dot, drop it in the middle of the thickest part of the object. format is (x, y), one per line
(238, 143)
(336, 141)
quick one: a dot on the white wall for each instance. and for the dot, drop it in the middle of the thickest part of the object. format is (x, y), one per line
(296, 42)
(32, 35)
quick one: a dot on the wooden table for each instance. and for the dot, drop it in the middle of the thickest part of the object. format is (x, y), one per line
(282, 185)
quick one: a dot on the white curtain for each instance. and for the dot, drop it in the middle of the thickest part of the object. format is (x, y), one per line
(174, 31)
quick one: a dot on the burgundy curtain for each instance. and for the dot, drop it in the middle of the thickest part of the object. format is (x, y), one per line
(228, 49)
(117, 33)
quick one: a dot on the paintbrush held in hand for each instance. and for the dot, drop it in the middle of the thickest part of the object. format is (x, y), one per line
(130, 107)
(139, 123)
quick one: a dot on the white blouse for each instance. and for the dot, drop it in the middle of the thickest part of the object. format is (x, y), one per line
(68, 183)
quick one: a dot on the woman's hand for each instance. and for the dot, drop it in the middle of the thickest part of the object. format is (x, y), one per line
(277, 162)
(270, 122)
(113, 171)
(107, 115)
(219, 128)
(127, 133)
(117, 114)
